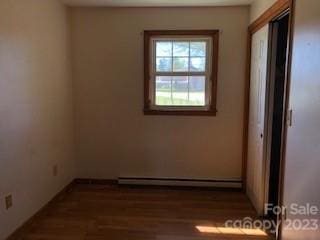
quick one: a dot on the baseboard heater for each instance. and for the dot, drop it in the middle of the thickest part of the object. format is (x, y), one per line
(226, 183)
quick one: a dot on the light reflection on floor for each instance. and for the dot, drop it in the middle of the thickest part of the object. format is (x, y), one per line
(235, 231)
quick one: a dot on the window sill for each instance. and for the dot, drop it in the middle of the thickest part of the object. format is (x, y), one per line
(211, 113)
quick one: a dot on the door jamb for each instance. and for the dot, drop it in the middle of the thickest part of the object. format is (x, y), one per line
(273, 12)
(278, 8)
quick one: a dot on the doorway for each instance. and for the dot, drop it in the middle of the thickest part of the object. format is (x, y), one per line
(278, 59)
(269, 48)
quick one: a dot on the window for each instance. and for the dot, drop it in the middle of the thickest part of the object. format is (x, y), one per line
(180, 72)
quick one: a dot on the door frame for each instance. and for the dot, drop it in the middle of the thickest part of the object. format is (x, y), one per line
(276, 10)
(270, 100)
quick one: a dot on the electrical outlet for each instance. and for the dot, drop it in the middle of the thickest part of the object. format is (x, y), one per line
(8, 201)
(55, 170)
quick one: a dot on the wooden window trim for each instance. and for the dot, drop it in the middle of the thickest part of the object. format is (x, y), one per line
(214, 35)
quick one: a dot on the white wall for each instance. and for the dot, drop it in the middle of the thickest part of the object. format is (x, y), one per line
(113, 137)
(302, 178)
(258, 7)
(35, 107)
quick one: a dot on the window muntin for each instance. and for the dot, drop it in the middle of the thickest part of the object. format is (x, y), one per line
(181, 72)
(180, 91)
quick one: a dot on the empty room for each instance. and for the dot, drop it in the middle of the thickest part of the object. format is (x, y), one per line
(159, 119)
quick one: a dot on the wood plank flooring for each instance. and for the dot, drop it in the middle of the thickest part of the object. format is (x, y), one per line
(109, 212)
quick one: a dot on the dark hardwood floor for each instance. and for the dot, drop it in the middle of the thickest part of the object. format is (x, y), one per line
(97, 212)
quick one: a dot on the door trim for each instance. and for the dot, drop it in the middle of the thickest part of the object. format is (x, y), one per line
(272, 13)
(276, 10)
(286, 110)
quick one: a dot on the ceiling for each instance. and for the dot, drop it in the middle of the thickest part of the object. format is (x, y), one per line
(156, 3)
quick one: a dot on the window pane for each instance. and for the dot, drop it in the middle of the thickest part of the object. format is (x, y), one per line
(198, 64)
(164, 49)
(164, 64)
(197, 86)
(180, 64)
(198, 49)
(180, 49)
(163, 91)
(180, 91)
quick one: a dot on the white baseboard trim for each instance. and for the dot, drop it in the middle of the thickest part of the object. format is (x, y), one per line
(221, 183)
